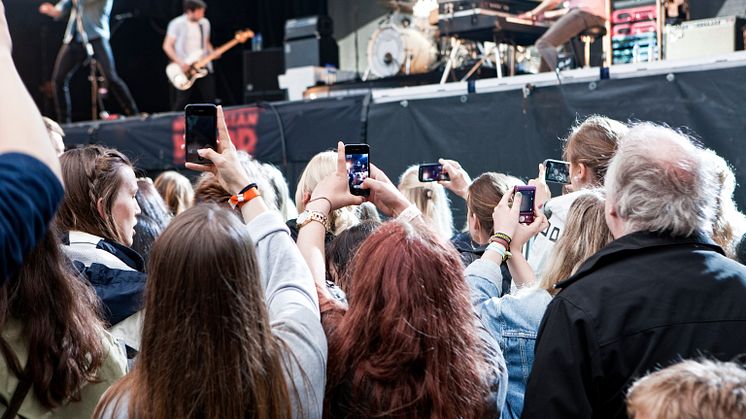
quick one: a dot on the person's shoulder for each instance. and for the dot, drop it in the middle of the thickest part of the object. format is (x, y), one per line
(177, 22)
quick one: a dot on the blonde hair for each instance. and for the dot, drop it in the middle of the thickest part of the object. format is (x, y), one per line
(691, 389)
(585, 233)
(730, 224)
(176, 191)
(430, 198)
(322, 165)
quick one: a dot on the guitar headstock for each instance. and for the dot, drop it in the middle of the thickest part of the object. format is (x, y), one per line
(244, 35)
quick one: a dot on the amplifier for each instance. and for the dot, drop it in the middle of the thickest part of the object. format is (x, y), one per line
(706, 37)
(636, 14)
(308, 27)
(508, 6)
(634, 48)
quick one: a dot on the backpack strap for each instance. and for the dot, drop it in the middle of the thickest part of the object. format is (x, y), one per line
(22, 389)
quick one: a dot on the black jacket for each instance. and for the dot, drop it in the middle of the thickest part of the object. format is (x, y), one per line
(644, 301)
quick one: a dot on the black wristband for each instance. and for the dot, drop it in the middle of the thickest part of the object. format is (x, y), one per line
(247, 187)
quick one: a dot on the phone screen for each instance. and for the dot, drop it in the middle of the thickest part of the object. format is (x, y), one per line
(526, 212)
(201, 130)
(557, 171)
(431, 172)
(358, 168)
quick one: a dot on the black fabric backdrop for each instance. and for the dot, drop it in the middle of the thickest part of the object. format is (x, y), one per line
(306, 127)
(506, 132)
(485, 132)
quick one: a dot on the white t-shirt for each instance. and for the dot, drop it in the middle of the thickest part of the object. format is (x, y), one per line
(541, 248)
(594, 7)
(191, 43)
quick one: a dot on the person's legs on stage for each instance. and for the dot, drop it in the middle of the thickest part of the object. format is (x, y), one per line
(563, 30)
(68, 60)
(206, 87)
(181, 98)
(105, 58)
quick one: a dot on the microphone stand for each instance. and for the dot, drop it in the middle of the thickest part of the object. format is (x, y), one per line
(91, 60)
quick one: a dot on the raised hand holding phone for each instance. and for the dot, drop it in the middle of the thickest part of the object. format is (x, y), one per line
(225, 163)
(459, 180)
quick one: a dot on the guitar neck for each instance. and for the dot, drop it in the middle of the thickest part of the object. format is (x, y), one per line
(216, 53)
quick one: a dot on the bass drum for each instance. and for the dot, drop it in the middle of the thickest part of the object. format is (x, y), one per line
(396, 50)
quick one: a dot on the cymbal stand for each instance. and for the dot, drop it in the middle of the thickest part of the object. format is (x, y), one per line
(455, 45)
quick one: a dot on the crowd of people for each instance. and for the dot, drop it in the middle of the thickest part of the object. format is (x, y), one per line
(136, 298)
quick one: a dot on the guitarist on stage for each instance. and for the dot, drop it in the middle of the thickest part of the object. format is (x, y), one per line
(89, 21)
(188, 40)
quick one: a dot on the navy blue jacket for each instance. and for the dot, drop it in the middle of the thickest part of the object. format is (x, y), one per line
(29, 196)
(115, 271)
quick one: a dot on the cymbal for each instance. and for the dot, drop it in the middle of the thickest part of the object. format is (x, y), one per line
(402, 6)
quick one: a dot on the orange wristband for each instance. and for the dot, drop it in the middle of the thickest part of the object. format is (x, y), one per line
(248, 193)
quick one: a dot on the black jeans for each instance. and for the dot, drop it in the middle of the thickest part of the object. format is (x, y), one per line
(206, 88)
(69, 59)
(567, 27)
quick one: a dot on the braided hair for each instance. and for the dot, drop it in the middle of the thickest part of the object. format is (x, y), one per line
(91, 174)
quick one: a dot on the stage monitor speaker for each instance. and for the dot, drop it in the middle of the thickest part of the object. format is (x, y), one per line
(260, 72)
(706, 37)
(317, 52)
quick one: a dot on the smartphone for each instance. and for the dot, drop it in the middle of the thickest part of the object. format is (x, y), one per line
(358, 168)
(557, 171)
(430, 172)
(201, 130)
(526, 212)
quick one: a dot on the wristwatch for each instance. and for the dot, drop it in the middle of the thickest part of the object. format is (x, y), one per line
(307, 216)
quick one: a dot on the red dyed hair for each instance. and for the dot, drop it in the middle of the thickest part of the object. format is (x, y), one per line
(408, 345)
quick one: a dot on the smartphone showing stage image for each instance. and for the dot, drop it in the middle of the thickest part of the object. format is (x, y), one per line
(557, 171)
(201, 130)
(431, 172)
(358, 167)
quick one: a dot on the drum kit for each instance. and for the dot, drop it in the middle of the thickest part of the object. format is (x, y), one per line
(408, 42)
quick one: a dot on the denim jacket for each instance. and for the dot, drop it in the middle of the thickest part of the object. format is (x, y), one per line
(95, 16)
(513, 320)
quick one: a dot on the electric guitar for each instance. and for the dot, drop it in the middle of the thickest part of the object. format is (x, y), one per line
(184, 80)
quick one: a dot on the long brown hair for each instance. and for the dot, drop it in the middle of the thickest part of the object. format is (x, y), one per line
(91, 173)
(59, 314)
(407, 346)
(585, 233)
(207, 347)
(484, 193)
(593, 143)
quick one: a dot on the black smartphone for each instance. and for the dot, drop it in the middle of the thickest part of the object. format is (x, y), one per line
(358, 167)
(526, 212)
(201, 130)
(557, 171)
(430, 172)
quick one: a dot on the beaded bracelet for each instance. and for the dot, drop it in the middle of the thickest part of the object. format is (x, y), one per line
(500, 241)
(499, 235)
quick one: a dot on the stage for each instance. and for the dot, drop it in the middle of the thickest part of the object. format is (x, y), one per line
(508, 125)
